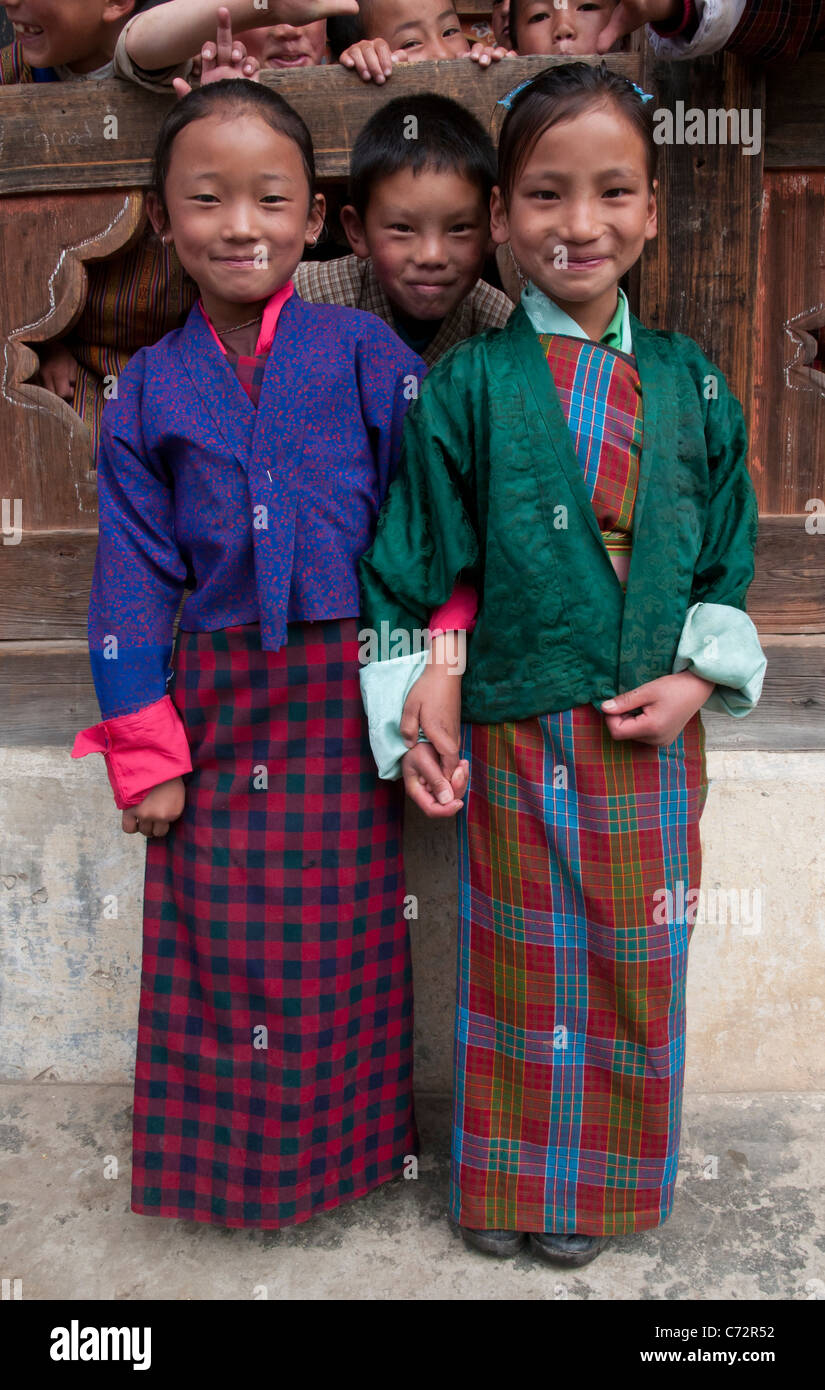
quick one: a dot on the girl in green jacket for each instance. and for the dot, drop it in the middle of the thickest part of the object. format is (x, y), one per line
(582, 480)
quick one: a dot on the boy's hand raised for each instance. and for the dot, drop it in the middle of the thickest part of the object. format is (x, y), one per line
(223, 59)
(656, 712)
(155, 813)
(170, 33)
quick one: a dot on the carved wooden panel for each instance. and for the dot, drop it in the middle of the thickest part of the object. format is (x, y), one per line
(45, 459)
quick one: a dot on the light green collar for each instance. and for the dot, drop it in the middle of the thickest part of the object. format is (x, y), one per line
(546, 317)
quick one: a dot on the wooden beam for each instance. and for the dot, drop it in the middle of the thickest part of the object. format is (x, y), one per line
(44, 586)
(791, 713)
(46, 695)
(44, 582)
(788, 591)
(55, 136)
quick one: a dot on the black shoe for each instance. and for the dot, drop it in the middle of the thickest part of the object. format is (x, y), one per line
(500, 1243)
(572, 1250)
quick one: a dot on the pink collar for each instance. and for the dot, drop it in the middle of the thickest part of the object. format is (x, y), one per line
(266, 337)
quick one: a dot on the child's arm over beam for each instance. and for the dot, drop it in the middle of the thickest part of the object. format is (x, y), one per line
(171, 33)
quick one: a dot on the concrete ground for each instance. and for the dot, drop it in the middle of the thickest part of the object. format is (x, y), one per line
(748, 1222)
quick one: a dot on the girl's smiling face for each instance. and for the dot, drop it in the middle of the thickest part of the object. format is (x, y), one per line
(583, 196)
(238, 209)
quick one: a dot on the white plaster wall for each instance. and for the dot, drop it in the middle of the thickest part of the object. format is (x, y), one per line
(69, 972)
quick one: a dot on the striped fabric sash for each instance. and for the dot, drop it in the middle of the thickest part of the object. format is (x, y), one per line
(601, 396)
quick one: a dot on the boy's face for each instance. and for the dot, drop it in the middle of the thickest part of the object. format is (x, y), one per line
(500, 22)
(283, 46)
(581, 208)
(427, 234)
(423, 28)
(76, 33)
(573, 28)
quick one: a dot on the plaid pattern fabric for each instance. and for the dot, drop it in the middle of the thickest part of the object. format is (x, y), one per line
(601, 396)
(570, 1025)
(771, 29)
(353, 283)
(250, 372)
(274, 1059)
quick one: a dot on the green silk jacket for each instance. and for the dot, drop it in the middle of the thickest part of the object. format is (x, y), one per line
(489, 488)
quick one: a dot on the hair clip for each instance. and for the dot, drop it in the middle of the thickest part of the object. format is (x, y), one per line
(646, 96)
(507, 100)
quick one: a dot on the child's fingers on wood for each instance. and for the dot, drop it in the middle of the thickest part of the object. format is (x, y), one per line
(384, 55)
(376, 65)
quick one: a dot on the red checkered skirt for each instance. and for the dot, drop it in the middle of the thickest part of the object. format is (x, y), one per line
(274, 1059)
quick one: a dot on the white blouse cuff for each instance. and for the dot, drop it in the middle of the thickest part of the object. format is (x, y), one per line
(720, 643)
(717, 21)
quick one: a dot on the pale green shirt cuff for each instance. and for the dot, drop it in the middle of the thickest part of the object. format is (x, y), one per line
(385, 686)
(720, 643)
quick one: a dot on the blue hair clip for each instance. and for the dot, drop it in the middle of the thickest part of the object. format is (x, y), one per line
(646, 96)
(507, 100)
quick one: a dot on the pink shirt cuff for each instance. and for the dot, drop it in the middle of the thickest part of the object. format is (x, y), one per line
(458, 613)
(141, 750)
